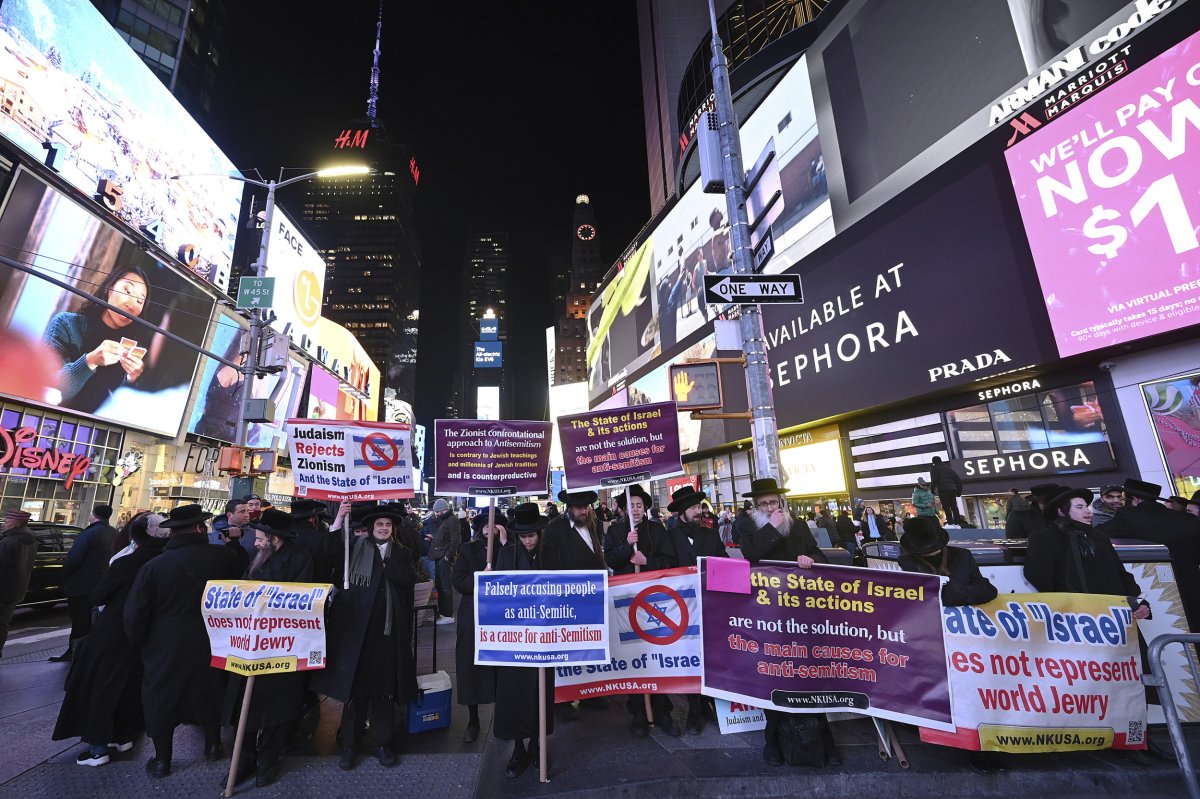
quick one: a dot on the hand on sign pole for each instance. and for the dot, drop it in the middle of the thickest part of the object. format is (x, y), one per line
(804, 562)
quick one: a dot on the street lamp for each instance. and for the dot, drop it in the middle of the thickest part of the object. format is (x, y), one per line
(250, 369)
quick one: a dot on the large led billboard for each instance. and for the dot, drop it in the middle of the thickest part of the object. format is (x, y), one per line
(219, 399)
(83, 357)
(357, 378)
(653, 306)
(299, 273)
(1110, 196)
(68, 82)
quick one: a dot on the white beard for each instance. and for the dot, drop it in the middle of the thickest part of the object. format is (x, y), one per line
(762, 519)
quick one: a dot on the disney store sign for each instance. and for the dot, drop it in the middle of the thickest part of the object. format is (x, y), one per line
(17, 452)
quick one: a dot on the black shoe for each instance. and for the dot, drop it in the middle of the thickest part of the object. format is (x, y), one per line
(65, 657)
(640, 728)
(695, 723)
(997, 762)
(833, 755)
(387, 758)
(471, 734)
(346, 761)
(772, 756)
(595, 702)
(158, 767)
(266, 776)
(516, 766)
(666, 723)
(980, 763)
(214, 751)
(565, 711)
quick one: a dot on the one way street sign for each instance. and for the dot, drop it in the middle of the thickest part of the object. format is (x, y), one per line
(752, 289)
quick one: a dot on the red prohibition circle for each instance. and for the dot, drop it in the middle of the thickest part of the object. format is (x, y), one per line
(640, 601)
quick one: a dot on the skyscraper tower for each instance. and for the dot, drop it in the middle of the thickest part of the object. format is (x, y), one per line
(364, 228)
(587, 270)
(486, 391)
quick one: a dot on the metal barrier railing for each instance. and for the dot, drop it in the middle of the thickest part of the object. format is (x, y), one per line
(1158, 679)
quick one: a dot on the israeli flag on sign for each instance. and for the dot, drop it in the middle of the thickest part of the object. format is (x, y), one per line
(657, 608)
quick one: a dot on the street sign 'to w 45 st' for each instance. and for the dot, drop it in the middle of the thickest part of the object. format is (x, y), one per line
(752, 289)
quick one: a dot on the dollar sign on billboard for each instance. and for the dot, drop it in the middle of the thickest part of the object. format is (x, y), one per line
(1116, 235)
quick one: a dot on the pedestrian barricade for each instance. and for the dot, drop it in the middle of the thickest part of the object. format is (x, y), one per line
(1157, 678)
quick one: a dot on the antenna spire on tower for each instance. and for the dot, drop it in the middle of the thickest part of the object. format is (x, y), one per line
(373, 98)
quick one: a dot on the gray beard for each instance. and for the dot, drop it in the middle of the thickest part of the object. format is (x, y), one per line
(261, 557)
(762, 519)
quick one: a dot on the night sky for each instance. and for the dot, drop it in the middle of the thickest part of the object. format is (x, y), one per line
(511, 109)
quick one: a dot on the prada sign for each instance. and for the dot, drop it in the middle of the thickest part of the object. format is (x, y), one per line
(1034, 462)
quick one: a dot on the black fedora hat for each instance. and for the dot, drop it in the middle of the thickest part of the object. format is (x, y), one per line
(922, 535)
(526, 518)
(1043, 491)
(685, 498)
(1143, 489)
(1060, 500)
(186, 516)
(764, 487)
(382, 512)
(308, 508)
(359, 511)
(579, 499)
(480, 521)
(636, 490)
(275, 522)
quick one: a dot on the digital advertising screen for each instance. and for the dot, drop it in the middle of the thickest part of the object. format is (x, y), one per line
(1110, 196)
(71, 83)
(358, 377)
(83, 357)
(489, 354)
(219, 401)
(299, 273)
(322, 395)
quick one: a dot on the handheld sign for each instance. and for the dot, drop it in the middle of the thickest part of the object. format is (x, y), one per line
(351, 460)
(620, 446)
(483, 458)
(541, 618)
(265, 628)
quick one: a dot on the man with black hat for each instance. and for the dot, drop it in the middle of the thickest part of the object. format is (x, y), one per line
(1105, 506)
(1024, 523)
(83, 570)
(1144, 518)
(18, 546)
(693, 540)
(371, 668)
(575, 538)
(278, 698)
(163, 617)
(443, 546)
(309, 518)
(475, 685)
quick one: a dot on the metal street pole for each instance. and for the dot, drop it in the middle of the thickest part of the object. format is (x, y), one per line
(256, 321)
(758, 377)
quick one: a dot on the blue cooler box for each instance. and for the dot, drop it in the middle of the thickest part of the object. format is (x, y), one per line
(431, 709)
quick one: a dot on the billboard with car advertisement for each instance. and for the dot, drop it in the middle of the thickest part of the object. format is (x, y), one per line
(76, 96)
(80, 355)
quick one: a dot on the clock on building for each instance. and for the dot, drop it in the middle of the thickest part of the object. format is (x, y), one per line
(586, 232)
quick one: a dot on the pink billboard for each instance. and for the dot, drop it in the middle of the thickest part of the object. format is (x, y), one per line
(1110, 197)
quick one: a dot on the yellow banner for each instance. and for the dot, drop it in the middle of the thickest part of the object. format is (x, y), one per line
(250, 668)
(1000, 738)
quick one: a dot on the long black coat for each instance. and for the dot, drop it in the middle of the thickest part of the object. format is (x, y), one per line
(324, 547)
(517, 686)
(362, 660)
(653, 541)
(696, 541)
(476, 684)
(1050, 562)
(277, 697)
(966, 586)
(1024, 523)
(1179, 533)
(87, 561)
(106, 675)
(767, 543)
(569, 548)
(162, 616)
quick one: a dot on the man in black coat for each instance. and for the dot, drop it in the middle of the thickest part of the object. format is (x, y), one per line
(83, 570)
(772, 534)
(1024, 523)
(474, 685)
(371, 668)
(948, 486)
(575, 539)
(1144, 518)
(18, 546)
(163, 617)
(278, 698)
(646, 547)
(309, 521)
(693, 540)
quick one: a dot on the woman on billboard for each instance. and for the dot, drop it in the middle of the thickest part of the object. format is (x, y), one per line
(96, 358)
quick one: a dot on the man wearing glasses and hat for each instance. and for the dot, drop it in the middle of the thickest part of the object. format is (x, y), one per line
(1146, 519)
(278, 698)
(163, 618)
(371, 668)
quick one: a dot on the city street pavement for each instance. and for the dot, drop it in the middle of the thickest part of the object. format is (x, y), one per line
(594, 756)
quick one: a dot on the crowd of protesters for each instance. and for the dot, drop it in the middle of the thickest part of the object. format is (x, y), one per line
(140, 656)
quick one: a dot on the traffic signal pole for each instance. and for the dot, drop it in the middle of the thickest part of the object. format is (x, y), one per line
(758, 375)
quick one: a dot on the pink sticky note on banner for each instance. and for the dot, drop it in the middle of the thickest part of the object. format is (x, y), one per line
(731, 575)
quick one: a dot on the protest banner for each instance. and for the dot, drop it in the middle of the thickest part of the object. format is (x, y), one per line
(483, 458)
(620, 446)
(653, 639)
(541, 618)
(1044, 673)
(735, 717)
(265, 628)
(350, 460)
(829, 638)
